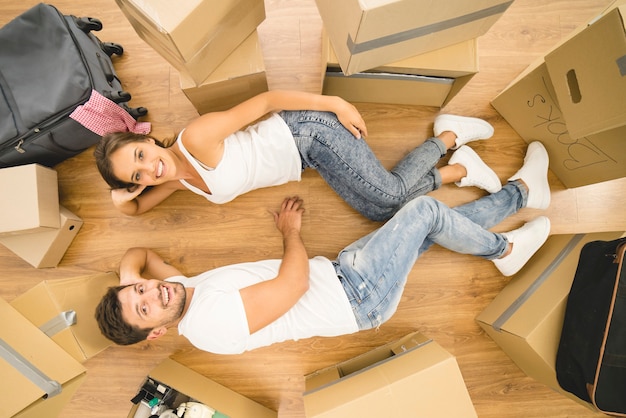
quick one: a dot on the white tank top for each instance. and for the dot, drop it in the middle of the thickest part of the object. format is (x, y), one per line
(263, 155)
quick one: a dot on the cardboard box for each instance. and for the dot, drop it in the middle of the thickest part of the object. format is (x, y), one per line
(369, 33)
(38, 376)
(589, 76)
(413, 377)
(45, 249)
(530, 107)
(30, 199)
(194, 36)
(53, 305)
(430, 79)
(240, 77)
(204, 390)
(526, 318)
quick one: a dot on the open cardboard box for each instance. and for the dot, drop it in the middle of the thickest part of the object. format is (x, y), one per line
(45, 249)
(30, 199)
(189, 384)
(529, 105)
(37, 376)
(412, 377)
(526, 317)
(52, 305)
(533, 108)
(429, 79)
(194, 36)
(239, 77)
(369, 33)
(588, 72)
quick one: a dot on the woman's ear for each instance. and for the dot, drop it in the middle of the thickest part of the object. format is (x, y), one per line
(156, 333)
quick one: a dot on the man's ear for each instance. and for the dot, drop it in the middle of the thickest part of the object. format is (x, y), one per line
(156, 333)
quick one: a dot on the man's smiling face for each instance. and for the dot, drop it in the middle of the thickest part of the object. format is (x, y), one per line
(152, 303)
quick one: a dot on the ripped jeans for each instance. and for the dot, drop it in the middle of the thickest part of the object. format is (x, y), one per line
(374, 269)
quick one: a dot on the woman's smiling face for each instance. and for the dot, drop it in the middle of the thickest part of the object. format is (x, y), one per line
(143, 163)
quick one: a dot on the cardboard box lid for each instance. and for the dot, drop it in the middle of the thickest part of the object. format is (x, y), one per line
(45, 249)
(452, 61)
(30, 199)
(367, 34)
(50, 298)
(17, 391)
(423, 381)
(589, 75)
(188, 25)
(214, 395)
(246, 59)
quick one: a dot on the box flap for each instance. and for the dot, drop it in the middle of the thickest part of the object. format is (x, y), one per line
(16, 391)
(589, 76)
(81, 294)
(418, 382)
(212, 394)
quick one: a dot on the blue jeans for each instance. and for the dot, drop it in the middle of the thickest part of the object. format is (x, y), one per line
(374, 269)
(350, 167)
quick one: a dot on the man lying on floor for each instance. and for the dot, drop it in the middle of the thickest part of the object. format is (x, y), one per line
(241, 307)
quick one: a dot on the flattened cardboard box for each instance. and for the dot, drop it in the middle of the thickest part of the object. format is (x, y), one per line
(206, 391)
(369, 33)
(430, 79)
(526, 317)
(30, 199)
(45, 249)
(589, 75)
(240, 77)
(194, 36)
(49, 305)
(530, 107)
(21, 396)
(413, 377)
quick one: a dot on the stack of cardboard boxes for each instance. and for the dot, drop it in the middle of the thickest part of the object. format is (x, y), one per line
(572, 100)
(417, 52)
(213, 44)
(34, 226)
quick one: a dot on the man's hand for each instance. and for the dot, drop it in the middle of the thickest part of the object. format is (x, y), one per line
(289, 219)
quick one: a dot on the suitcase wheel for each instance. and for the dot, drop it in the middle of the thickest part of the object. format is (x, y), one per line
(117, 96)
(111, 48)
(88, 24)
(137, 112)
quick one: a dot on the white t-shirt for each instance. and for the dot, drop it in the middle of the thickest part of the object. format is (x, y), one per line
(263, 155)
(216, 319)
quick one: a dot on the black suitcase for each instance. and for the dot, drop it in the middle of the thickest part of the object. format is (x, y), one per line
(591, 358)
(49, 65)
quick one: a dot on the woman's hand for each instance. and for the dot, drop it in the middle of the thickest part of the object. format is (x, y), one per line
(122, 196)
(350, 117)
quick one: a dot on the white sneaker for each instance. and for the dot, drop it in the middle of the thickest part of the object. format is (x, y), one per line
(478, 173)
(465, 128)
(526, 241)
(534, 173)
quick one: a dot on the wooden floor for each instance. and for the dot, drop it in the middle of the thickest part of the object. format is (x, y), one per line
(445, 291)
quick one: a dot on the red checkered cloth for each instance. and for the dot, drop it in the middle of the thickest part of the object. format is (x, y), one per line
(101, 115)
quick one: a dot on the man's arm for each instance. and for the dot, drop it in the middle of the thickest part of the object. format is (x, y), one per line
(266, 301)
(143, 263)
